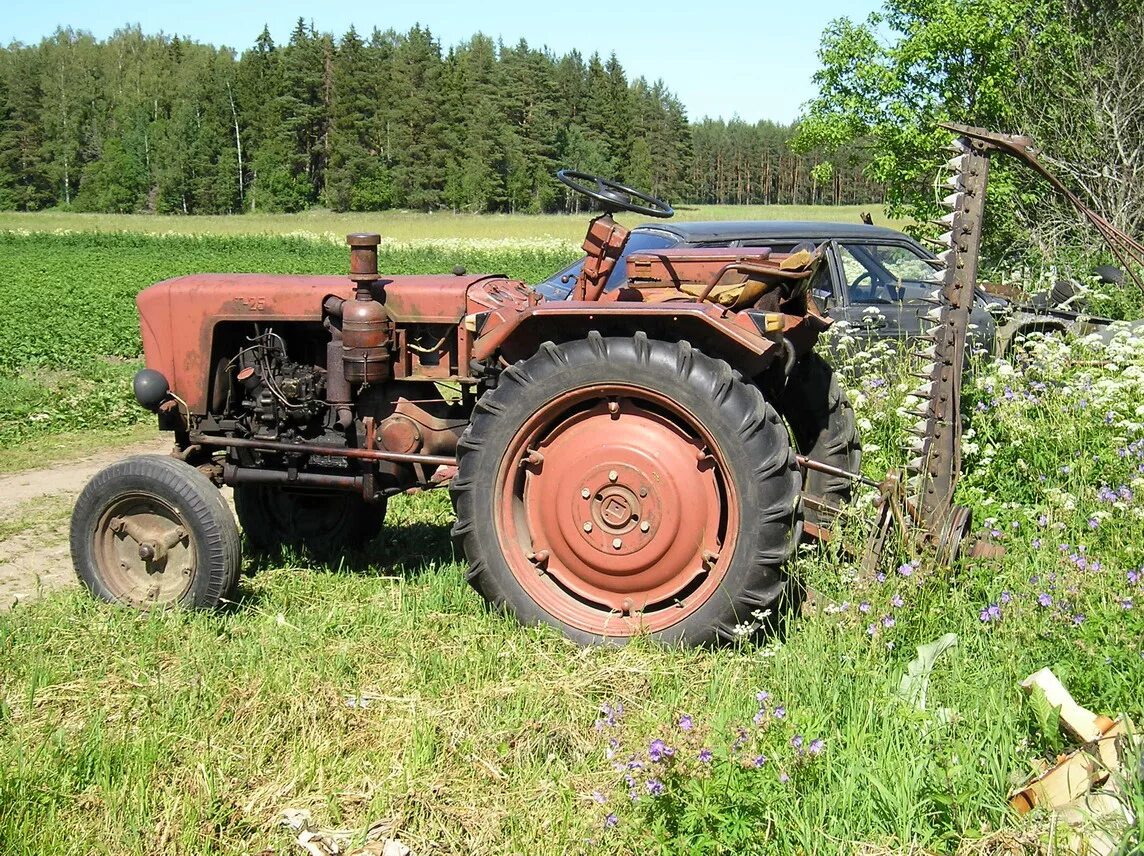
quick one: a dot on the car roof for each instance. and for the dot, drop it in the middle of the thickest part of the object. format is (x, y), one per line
(739, 230)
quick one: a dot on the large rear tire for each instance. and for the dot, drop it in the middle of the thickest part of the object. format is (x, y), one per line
(323, 523)
(615, 486)
(822, 423)
(151, 531)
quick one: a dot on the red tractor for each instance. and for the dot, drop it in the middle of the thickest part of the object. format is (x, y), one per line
(624, 463)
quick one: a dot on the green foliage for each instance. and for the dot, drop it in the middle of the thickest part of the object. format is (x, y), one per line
(126, 733)
(162, 124)
(1063, 71)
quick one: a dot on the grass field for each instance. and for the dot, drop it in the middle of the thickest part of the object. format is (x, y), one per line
(380, 695)
(405, 226)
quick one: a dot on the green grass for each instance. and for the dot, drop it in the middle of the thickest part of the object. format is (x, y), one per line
(191, 733)
(382, 694)
(407, 226)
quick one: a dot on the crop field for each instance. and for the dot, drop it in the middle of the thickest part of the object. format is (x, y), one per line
(408, 226)
(380, 698)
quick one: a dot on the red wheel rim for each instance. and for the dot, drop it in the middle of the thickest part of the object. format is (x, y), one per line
(615, 510)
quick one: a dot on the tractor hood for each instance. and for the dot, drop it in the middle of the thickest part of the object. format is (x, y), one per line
(178, 316)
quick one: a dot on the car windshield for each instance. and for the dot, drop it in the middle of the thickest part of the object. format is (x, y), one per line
(886, 273)
(560, 285)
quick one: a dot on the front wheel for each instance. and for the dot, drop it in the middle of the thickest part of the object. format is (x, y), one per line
(151, 531)
(615, 486)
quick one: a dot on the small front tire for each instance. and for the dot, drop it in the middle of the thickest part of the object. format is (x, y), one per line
(153, 531)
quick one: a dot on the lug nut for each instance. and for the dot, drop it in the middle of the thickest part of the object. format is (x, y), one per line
(643, 491)
(588, 526)
(645, 526)
(585, 493)
(613, 475)
(617, 543)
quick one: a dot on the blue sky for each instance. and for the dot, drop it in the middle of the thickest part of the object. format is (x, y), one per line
(721, 57)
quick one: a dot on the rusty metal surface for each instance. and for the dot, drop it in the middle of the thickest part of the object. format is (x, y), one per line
(715, 317)
(144, 550)
(318, 449)
(708, 265)
(935, 450)
(178, 316)
(614, 509)
(430, 300)
(602, 244)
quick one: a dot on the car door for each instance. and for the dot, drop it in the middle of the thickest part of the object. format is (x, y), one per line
(889, 286)
(883, 283)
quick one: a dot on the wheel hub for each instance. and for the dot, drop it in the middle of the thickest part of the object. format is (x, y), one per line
(144, 548)
(620, 507)
(610, 509)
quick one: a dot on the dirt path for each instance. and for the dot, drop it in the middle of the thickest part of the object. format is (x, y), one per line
(34, 509)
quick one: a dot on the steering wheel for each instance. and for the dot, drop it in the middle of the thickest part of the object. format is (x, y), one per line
(613, 195)
(872, 288)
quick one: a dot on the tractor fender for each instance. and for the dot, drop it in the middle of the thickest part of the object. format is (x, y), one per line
(736, 337)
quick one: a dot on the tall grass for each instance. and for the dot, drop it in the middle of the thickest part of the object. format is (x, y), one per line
(382, 694)
(408, 226)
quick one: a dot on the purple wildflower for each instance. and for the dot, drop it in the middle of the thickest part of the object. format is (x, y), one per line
(816, 746)
(611, 820)
(761, 696)
(780, 712)
(1045, 599)
(1078, 619)
(658, 750)
(784, 778)
(991, 613)
(871, 629)
(705, 756)
(599, 797)
(796, 741)
(1006, 597)
(896, 601)
(888, 621)
(864, 607)
(654, 787)
(759, 761)
(906, 569)
(685, 723)
(1126, 603)
(1036, 542)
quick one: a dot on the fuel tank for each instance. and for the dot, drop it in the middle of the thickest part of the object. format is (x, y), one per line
(178, 316)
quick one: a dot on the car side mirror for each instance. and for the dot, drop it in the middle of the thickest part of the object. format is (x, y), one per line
(824, 297)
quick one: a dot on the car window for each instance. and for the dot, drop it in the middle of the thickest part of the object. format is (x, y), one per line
(560, 285)
(886, 273)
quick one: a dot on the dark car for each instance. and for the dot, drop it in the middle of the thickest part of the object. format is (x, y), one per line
(875, 279)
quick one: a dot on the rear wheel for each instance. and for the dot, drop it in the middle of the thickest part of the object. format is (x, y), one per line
(822, 422)
(609, 487)
(151, 531)
(322, 523)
